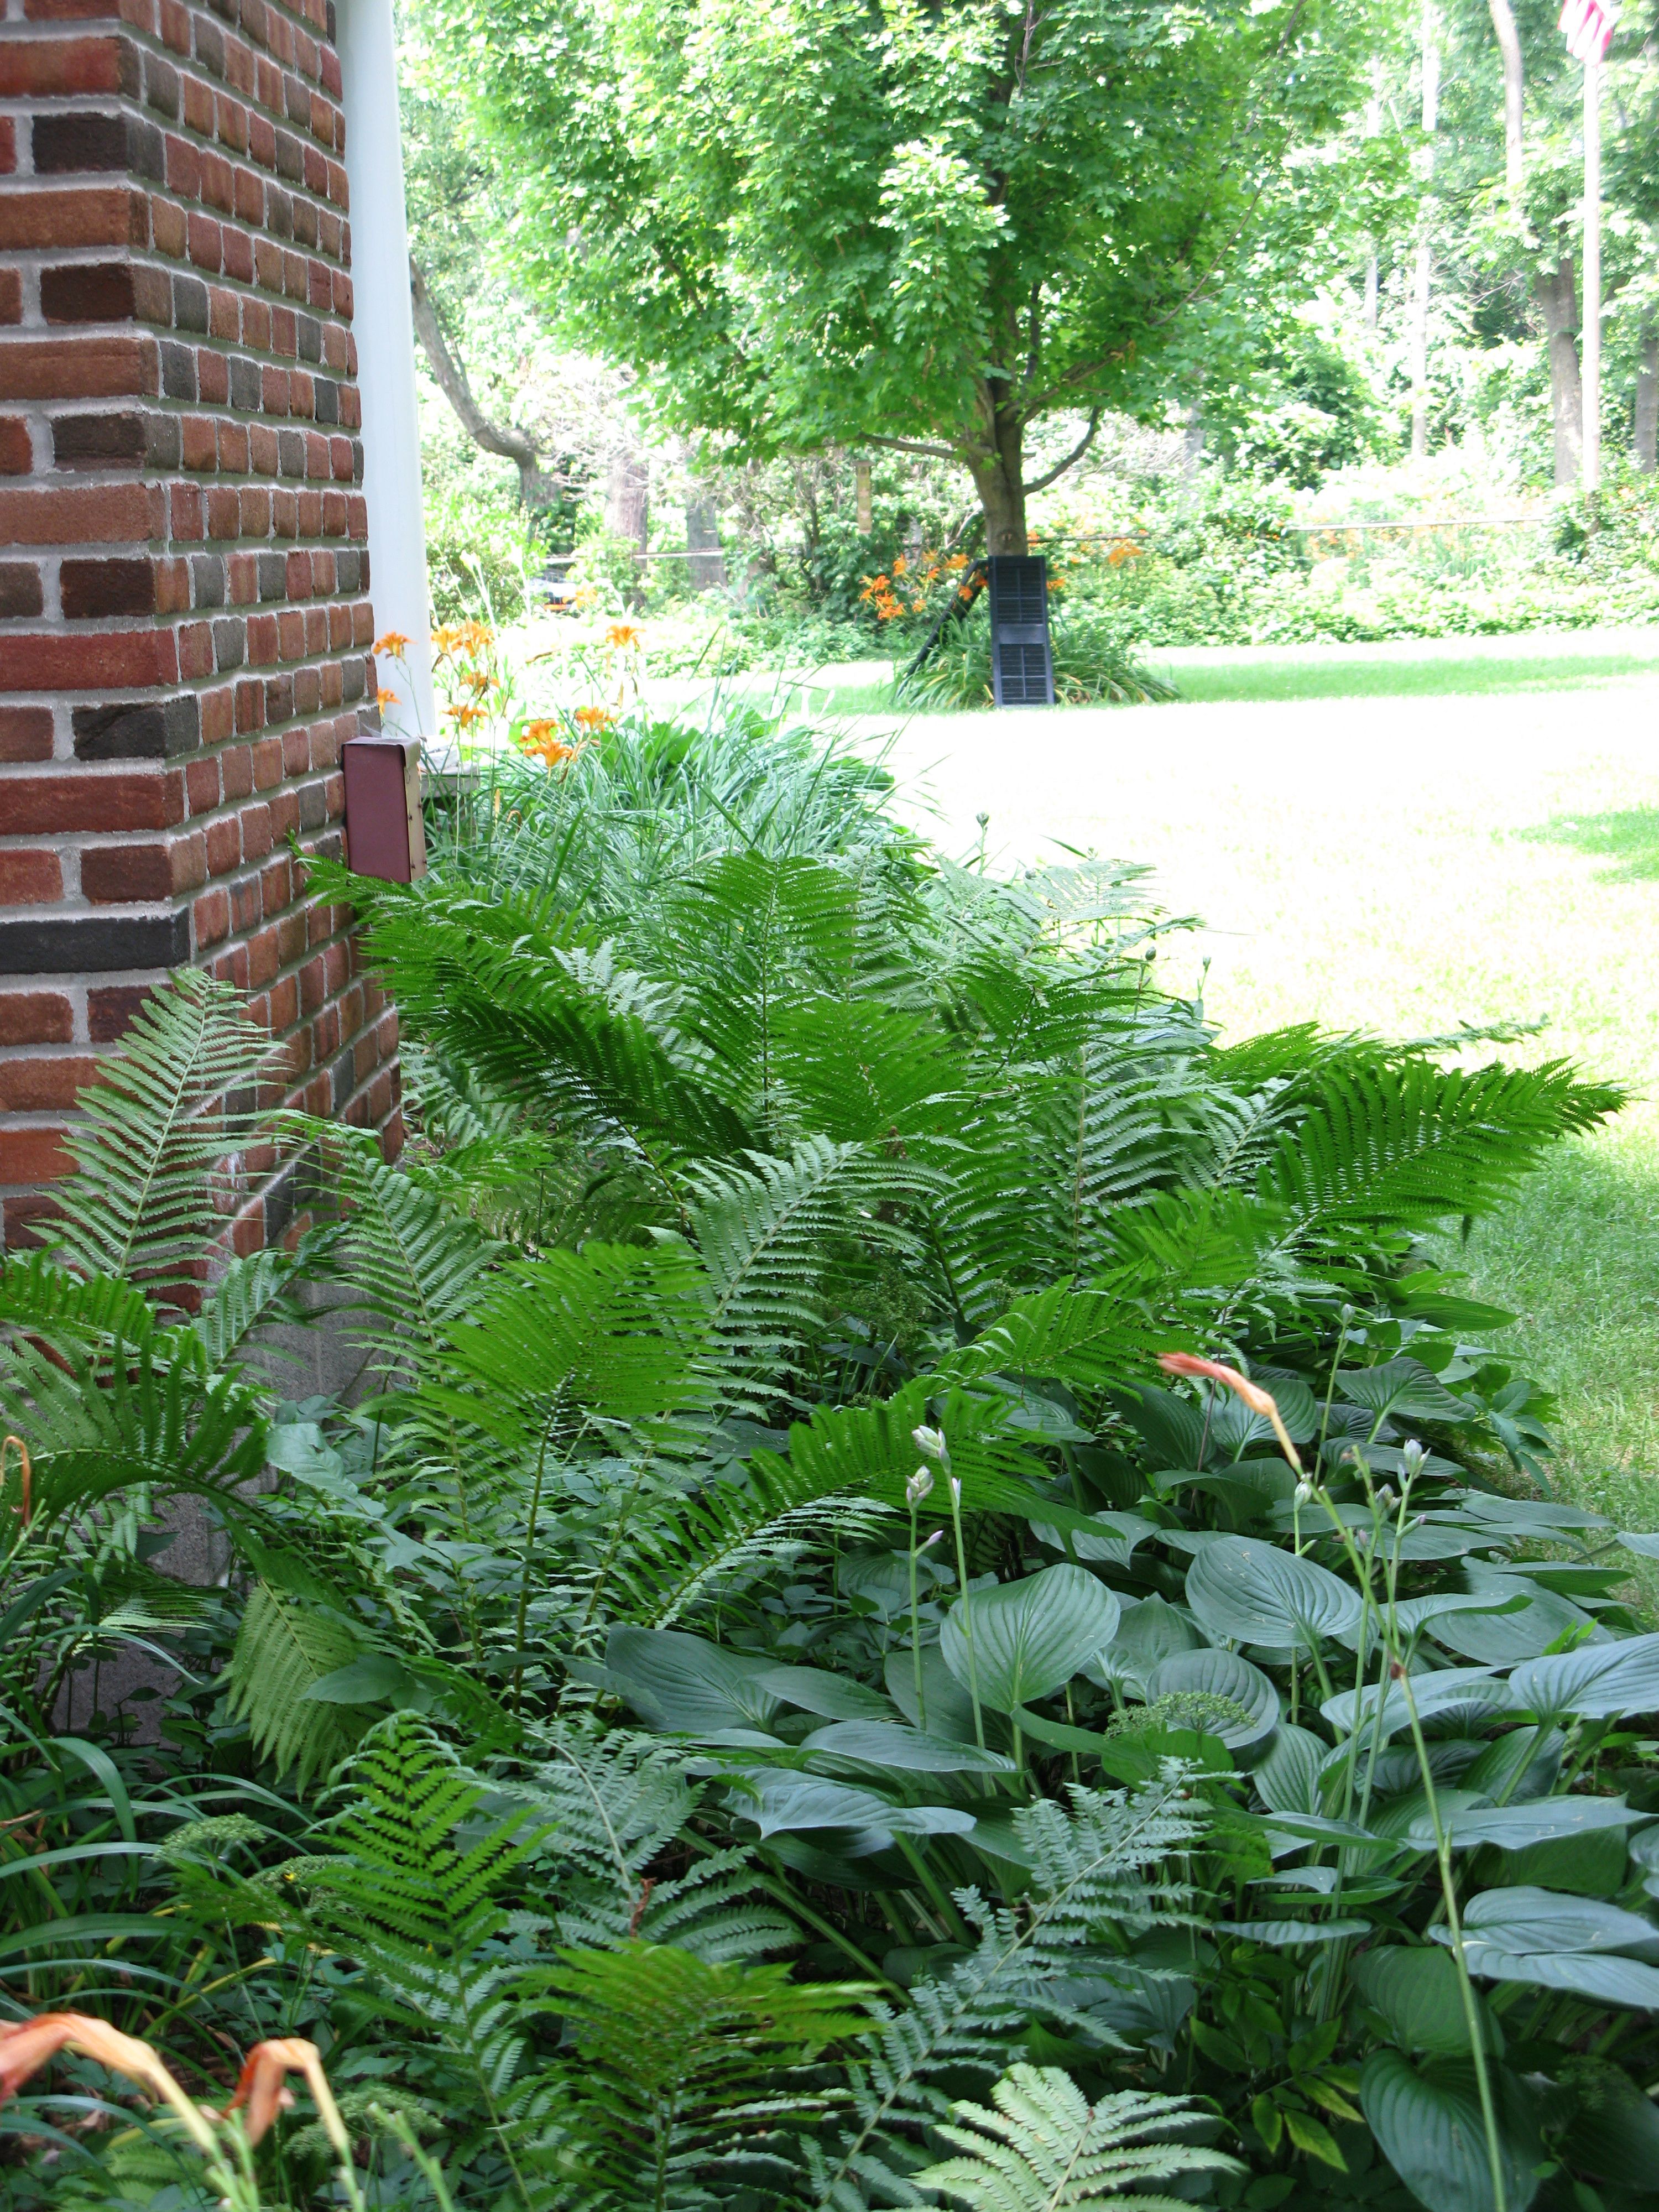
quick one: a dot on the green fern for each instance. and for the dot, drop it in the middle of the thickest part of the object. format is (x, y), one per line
(1091, 1870)
(687, 2066)
(1045, 2149)
(149, 1194)
(290, 1639)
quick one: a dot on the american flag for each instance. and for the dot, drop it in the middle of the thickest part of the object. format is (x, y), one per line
(1588, 26)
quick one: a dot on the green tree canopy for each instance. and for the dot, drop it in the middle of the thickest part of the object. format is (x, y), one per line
(926, 223)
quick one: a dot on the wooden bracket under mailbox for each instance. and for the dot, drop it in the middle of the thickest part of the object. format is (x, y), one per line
(385, 836)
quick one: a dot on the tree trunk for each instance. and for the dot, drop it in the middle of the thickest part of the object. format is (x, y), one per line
(536, 488)
(999, 477)
(1556, 291)
(1509, 44)
(1420, 322)
(1192, 438)
(863, 498)
(702, 543)
(628, 497)
(1647, 404)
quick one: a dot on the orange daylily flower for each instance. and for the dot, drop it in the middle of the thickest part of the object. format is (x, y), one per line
(1250, 1394)
(394, 642)
(446, 638)
(900, 565)
(594, 718)
(621, 633)
(383, 698)
(466, 716)
(262, 2089)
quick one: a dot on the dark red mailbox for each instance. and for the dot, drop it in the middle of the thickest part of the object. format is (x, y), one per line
(384, 835)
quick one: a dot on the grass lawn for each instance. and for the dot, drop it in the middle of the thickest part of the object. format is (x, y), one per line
(1405, 861)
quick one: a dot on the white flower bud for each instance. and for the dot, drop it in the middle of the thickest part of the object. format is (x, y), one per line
(1413, 1456)
(930, 1443)
(917, 1488)
(1304, 1493)
(1388, 1497)
(956, 1492)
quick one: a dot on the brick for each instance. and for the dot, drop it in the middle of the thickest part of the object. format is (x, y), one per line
(19, 590)
(86, 214)
(145, 729)
(32, 1155)
(127, 874)
(11, 295)
(16, 450)
(35, 1018)
(42, 662)
(111, 1010)
(63, 68)
(43, 1081)
(80, 142)
(92, 442)
(83, 368)
(25, 734)
(85, 945)
(75, 514)
(29, 879)
(38, 806)
(92, 588)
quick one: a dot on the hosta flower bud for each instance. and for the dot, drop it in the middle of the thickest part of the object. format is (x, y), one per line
(956, 1492)
(917, 1487)
(930, 1443)
(1413, 1456)
(1388, 1497)
(1305, 1493)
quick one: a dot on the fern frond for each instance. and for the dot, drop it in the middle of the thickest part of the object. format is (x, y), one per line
(415, 1265)
(284, 1647)
(155, 1130)
(1091, 1869)
(1045, 2149)
(1410, 1143)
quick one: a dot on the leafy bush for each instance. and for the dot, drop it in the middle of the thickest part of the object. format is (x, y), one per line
(1093, 661)
(770, 1696)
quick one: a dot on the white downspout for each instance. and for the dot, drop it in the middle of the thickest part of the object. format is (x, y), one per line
(383, 328)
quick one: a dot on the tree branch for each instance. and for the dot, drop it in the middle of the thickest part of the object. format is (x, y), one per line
(913, 446)
(535, 488)
(1076, 454)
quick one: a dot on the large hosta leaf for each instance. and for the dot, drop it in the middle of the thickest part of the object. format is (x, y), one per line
(1286, 1774)
(1029, 1637)
(686, 1685)
(1512, 1827)
(1402, 1388)
(1601, 1976)
(1601, 1681)
(1526, 1918)
(1254, 1592)
(1469, 1695)
(785, 1804)
(1500, 1639)
(1417, 1993)
(1219, 1674)
(899, 1750)
(1427, 2123)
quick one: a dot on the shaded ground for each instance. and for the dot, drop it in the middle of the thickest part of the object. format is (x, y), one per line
(1404, 864)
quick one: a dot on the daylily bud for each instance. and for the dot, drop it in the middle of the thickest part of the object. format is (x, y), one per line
(930, 1443)
(917, 1487)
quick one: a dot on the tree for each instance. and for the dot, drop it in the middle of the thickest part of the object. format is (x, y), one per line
(921, 224)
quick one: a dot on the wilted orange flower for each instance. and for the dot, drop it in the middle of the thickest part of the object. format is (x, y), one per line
(27, 1507)
(262, 2089)
(622, 635)
(394, 642)
(27, 2045)
(594, 718)
(1251, 1394)
(480, 680)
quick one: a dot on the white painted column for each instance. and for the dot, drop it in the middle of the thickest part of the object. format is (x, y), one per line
(384, 329)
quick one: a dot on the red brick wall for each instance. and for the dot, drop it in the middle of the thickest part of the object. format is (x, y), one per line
(185, 625)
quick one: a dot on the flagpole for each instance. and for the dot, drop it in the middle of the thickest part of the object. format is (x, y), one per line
(1592, 344)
